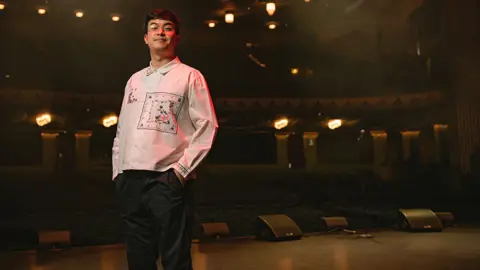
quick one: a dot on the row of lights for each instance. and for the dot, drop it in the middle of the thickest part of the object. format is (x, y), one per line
(332, 124)
(270, 8)
(78, 13)
(46, 118)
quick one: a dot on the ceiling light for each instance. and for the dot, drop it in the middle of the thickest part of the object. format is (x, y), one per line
(270, 7)
(294, 71)
(307, 1)
(79, 14)
(229, 17)
(211, 23)
(2, 6)
(115, 18)
(42, 11)
(272, 25)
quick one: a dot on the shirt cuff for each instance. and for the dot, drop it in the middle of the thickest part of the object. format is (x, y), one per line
(181, 170)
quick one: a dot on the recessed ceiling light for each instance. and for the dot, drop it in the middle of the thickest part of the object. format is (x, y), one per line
(42, 11)
(211, 23)
(272, 25)
(115, 18)
(79, 14)
(2, 5)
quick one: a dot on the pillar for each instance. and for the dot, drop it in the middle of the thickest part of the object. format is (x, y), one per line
(428, 145)
(49, 150)
(379, 147)
(407, 138)
(82, 148)
(282, 149)
(439, 131)
(310, 148)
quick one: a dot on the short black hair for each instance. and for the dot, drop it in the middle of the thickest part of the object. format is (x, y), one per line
(162, 14)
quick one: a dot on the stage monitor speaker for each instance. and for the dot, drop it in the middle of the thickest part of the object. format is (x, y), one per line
(447, 219)
(215, 230)
(277, 228)
(421, 220)
(335, 222)
(53, 239)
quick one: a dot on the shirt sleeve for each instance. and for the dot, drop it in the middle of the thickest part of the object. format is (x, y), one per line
(203, 118)
(116, 140)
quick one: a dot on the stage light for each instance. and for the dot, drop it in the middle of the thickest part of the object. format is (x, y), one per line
(42, 11)
(115, 18)
(294, 71)
(109, 121)
(334, 124)
(281, 123)
(44, 119)
(79, 14)
(3, 6)
(229, 17)
(271, 7)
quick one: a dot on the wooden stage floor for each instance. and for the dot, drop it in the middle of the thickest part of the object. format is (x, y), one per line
(455, 248)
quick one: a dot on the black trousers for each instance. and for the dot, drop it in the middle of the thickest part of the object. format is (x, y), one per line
(157, 211)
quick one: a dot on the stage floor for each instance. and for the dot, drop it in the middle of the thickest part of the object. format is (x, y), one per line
(455, 248)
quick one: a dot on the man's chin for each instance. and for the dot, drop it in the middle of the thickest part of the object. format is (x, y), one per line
(160, 48)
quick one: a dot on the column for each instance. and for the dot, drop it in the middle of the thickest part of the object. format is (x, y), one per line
(379, 147)
(310, 148)
(439, 130)
(427, 145)
(282, 149)
(82, 148)
(407, 138)
(49, 150)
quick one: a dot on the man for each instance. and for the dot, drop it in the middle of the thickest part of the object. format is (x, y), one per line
(166, 127)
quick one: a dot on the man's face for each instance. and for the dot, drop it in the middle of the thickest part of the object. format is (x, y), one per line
(161, 35)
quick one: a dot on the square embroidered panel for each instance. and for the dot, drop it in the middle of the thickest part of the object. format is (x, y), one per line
(160, 112)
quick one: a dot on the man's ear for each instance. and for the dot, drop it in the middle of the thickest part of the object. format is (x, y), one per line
(145, 39)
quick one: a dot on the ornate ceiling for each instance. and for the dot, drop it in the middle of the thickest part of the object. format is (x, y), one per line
(340, 47)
